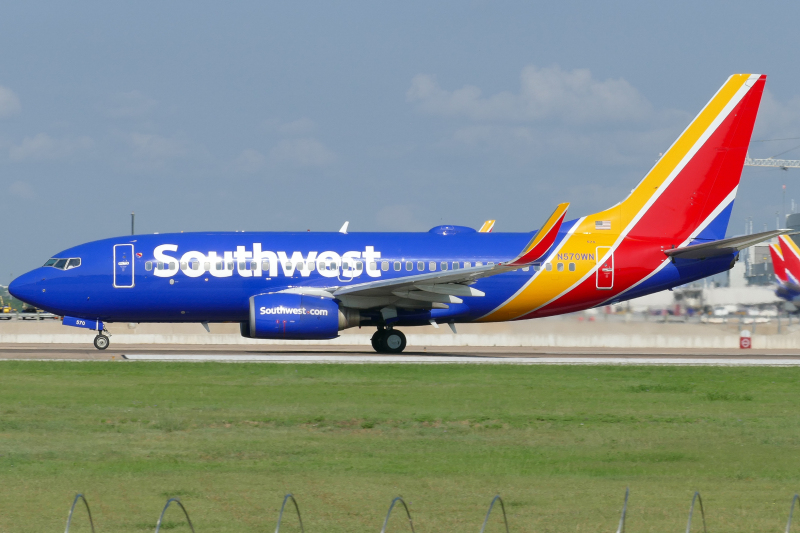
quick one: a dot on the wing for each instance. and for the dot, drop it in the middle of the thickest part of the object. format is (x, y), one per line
(438, 289)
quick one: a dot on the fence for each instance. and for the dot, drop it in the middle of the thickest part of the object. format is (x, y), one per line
(620, 529)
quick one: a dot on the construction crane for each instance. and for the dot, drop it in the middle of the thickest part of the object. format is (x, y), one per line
(784, 164)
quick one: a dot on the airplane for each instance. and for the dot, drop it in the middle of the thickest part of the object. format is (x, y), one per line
(670, 230)
(786, 264)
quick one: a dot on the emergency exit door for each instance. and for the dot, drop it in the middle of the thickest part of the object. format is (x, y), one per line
(123, 266)
(605, 271)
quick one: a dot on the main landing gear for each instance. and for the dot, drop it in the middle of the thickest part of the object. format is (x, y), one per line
(101, 342)
(389, 341)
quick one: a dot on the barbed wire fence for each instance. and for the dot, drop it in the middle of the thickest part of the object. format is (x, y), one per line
(696, 498)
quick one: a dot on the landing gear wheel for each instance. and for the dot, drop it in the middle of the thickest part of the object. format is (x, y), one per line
(377, 338)
(393, 341)
(101, 342)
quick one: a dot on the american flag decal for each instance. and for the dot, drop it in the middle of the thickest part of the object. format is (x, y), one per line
(602, 224)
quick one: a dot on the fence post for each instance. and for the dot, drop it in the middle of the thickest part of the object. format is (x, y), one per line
(91, 522)
(186, 514)
(280, 515)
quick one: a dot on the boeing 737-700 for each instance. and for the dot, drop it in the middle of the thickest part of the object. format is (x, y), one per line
(670, 230)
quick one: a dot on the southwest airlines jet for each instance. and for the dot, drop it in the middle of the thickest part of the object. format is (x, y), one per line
(670, 230)
(786, 263)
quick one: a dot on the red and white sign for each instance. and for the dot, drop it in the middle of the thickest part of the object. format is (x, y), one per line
(745, 342)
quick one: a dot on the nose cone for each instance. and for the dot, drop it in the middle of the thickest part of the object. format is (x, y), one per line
(25, 288)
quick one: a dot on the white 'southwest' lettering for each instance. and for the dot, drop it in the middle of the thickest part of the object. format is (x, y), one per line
(252, 263)
(281, 310)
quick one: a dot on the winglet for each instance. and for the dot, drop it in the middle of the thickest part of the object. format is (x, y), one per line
(487, 227)
(343, 229)
(543, 239)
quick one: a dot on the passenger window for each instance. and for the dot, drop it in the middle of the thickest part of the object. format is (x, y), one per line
(75, 262)
(548, 266)
(478, 263)
(148, 266)
(242, 266)
(195, 265)
(455, 265)
(525, 269)
(171, 265)
(359, 265)
(183, 265)
(432, 266)
(220, 265)
(373, 265)
(397, 265)
(253, 265)
(265, 265)
(61, 263)
(384, 265)
(421, 266)
(230, 265)
(160, 266)
(444, 265)
(50, 262)
(467, 264)
(207, 266)
(311, 266)
(409, 265)
(287, 265)
(560, 267)
(572, 267)
(345, 266)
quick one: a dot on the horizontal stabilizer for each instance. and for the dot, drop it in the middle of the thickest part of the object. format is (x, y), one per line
(724, 246)
(543, 239)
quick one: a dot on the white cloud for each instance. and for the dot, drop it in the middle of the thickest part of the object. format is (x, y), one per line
(22, 190)
(131, 104)
(302, 126)
(545, 93)
(304, 152)
(151, 146)
(9, 103)
(42, 146)
(249, 161)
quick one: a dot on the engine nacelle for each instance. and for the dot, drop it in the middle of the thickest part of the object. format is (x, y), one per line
(296, 316)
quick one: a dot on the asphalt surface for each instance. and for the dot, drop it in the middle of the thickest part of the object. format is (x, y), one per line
(364, 354)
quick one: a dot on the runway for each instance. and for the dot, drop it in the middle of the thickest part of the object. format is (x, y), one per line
(432, 355)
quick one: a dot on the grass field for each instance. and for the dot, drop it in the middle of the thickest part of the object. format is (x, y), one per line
(560, 444)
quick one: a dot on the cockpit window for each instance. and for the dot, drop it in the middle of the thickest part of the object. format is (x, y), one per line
(63, 264)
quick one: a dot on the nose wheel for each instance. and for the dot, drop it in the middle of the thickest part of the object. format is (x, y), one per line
(389, 341)
(101, 342)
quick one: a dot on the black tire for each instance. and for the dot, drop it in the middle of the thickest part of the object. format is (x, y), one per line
(101, 342)
(393, 341)
(377, 338)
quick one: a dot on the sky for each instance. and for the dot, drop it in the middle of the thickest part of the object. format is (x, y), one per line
(396, 116)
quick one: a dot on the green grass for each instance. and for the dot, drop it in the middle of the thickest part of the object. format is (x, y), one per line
(559, 443)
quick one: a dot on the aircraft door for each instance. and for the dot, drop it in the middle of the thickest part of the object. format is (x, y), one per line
(605, 271)
(123, 266)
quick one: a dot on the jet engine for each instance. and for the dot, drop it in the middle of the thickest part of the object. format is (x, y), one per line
(296, 316)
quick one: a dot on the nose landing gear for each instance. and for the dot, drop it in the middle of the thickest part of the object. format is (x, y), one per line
(101, 342)
(389, 341)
